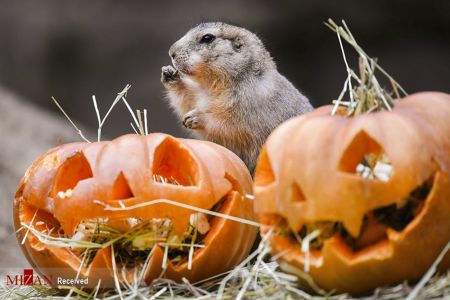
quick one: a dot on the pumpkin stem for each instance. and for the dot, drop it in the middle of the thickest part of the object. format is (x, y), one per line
(365, 92)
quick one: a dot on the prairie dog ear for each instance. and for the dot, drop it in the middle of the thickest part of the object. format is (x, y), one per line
(237, 43)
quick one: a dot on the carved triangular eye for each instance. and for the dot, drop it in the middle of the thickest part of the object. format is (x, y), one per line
(121, 189)
(173, 164)
(75, 169)
(264, 172)
(366, 157)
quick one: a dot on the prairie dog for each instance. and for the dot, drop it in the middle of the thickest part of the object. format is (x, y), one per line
(226, 88)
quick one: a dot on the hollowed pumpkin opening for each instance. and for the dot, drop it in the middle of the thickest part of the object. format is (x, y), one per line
(296, 193)
(366, 158)
(121, 189)
(235, 186)
(173, 164)
(39, 219)
(264, 172)
(396, 216)
(74, 169)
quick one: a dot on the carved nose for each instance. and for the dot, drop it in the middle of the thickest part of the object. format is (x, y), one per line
(173, 55)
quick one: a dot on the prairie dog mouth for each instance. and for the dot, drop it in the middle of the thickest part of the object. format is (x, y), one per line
(183, 69)
(187, 63)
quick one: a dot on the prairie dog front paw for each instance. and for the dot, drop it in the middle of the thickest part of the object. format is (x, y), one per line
(193, 120)
(169, 75)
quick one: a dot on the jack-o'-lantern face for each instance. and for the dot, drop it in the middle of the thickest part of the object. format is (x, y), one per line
(371, 191)
(95, 196)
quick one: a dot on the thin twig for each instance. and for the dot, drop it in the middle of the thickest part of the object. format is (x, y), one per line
(187, 206)
(70, 120)
(415, 292)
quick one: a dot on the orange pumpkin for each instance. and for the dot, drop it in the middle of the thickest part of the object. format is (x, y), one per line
(371, 230)
(76, 182)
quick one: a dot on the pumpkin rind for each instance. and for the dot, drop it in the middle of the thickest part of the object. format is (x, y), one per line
(303, 176)
(107, 171)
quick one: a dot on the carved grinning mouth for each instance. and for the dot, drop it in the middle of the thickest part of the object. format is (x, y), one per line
(132, 238)
(395, 216)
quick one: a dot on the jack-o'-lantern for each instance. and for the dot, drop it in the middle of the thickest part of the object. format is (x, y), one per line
(359, 201)
(84, 210)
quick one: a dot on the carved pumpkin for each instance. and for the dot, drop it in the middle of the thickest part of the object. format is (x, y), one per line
(74, 183)
(373, 230)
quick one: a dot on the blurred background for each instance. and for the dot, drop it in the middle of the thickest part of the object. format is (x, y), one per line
(74, 49)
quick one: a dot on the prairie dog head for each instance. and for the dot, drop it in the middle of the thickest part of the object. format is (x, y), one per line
(219, 48)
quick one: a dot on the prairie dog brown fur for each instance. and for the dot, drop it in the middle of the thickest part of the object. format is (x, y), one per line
(226, 88)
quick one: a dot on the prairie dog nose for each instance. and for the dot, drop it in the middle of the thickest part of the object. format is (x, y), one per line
(173, 51)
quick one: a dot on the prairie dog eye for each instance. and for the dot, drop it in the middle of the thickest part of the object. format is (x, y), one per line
(207, 38)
